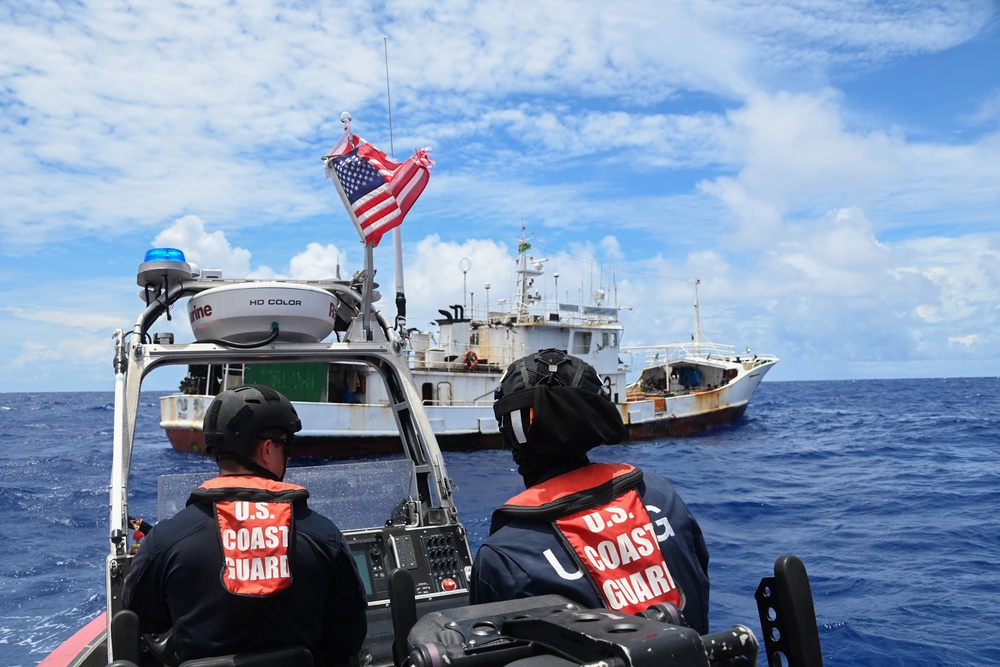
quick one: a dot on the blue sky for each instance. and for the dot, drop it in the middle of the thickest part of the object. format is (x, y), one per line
(829, 170)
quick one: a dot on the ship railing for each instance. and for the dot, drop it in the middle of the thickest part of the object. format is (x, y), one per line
(761, 360)
(481, 402)
(458, 357)
(678, 351)
(547, 311)
(669, 353)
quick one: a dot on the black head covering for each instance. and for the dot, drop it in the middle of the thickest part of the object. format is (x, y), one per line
(552, 409)
(236, 418)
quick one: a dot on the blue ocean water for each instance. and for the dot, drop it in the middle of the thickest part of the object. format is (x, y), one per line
(888, 491)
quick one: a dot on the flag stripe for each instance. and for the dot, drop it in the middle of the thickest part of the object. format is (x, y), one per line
(377, 208)
(409, 183)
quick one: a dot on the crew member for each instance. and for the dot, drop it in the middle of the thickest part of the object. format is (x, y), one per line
(601, 534)
(246, 565)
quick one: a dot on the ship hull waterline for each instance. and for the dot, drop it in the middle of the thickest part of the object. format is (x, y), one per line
(356, 446)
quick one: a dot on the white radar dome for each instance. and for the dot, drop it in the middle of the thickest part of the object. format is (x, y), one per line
(245, 312)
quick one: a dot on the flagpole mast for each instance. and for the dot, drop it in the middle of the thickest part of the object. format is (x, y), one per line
(369, 273)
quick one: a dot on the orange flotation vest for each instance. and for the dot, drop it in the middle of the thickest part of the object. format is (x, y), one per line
(256, 530)
(598, 513)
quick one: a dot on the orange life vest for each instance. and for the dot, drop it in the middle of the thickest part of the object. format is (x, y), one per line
(256, 530)
(599, 514)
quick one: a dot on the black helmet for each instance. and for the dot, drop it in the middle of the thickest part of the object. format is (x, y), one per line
(555, 404)
(237, 416)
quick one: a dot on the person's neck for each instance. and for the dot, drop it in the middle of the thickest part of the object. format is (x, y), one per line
(536, 471)
(235, 469)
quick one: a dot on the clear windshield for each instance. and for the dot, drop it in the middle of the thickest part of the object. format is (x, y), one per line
(352, 495)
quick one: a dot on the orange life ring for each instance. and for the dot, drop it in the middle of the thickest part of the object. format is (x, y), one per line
(470, 360)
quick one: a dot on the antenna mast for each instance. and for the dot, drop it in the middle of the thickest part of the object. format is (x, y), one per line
(388, 99)
(697, 317)
(397, 236)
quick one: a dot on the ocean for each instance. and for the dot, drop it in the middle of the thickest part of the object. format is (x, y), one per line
(888, 491)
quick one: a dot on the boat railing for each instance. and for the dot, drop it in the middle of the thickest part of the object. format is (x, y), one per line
(678, 351)
(567, 313)
(670, 353)
(457, 357)
(761, 360)
(484, 401)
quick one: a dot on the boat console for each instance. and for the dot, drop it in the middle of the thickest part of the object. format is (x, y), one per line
(435, 558)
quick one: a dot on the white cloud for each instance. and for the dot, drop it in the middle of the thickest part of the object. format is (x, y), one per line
(796, 152)
(209, 250)
(318, 262)
(967, 341)
(84, 319)
(988, 110)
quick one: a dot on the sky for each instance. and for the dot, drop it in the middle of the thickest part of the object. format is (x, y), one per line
(829, 170)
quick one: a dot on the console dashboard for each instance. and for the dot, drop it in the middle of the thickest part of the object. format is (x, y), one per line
(437, 558)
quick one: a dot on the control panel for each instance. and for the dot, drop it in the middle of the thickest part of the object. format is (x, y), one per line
(437, 557)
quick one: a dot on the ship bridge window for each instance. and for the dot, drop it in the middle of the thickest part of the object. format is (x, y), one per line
(608, 339)
(581, 343)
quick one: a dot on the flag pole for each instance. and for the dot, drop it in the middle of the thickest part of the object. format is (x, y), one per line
(369, 288)
(369, 279)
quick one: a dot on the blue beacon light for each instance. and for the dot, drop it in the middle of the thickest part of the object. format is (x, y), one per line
(164, 255)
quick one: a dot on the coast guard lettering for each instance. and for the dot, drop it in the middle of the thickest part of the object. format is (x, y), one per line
(255, 540)
(617, 545)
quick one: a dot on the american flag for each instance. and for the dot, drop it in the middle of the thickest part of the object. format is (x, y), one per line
(377, 190)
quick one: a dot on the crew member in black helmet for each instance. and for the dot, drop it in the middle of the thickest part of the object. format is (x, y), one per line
(601, 534)
(246, 565)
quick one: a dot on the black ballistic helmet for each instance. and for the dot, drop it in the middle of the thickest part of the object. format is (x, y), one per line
(237, 416)
(555, 405)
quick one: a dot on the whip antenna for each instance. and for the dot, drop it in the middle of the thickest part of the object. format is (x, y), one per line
(397, 238)
(388, 98)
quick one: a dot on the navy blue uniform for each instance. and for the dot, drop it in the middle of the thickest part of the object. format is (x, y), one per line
(527, 557)
(177, 581)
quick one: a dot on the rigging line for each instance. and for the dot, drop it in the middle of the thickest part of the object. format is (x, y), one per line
(618, 266)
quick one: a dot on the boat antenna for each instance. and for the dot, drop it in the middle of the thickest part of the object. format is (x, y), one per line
(397, 235)
(465, 264)
(614, 281)
(388, 98)
(697, 317)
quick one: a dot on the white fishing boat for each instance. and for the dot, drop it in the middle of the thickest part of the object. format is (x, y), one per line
(684, 389)
(397, 512)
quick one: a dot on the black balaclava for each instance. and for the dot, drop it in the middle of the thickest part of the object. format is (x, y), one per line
(552, 409)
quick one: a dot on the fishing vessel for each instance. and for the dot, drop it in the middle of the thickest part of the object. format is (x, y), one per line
(396, 510)
(682, 389)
